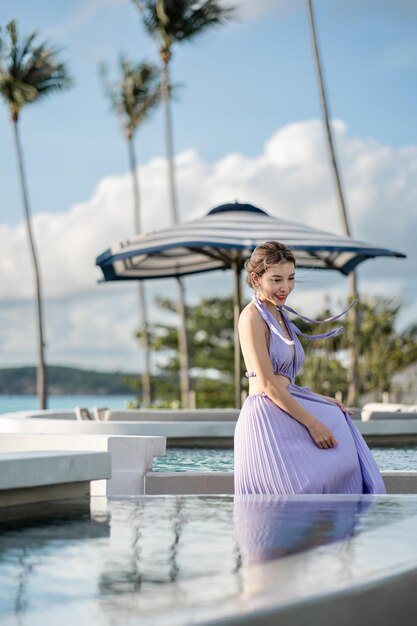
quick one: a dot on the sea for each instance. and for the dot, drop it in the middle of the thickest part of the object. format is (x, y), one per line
(29, 403)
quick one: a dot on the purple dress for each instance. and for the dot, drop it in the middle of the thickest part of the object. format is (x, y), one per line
(275, 454)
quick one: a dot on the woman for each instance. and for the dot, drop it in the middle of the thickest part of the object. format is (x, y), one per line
(287, 438)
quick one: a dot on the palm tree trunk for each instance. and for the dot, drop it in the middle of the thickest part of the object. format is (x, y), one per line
(184, 356)
(41, 382)
(353, 313)
(353, 334)
(146, 372)
(146, 377)
(237, 307)
(181, 307)
(169, 142)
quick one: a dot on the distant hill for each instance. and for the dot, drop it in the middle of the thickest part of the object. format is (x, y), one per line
(65, 380)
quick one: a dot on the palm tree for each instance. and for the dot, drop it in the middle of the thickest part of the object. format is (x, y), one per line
(353, 313)
(170, 22)
(29, 72)
(133, 97)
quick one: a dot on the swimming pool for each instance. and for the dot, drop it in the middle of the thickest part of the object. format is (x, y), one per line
(172, 560)
(221, 460)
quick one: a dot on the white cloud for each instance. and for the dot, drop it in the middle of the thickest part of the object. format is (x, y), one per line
(88, 323)
(249, 10)
(94, 330)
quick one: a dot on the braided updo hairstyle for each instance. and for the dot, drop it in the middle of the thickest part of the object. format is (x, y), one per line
(266, 255)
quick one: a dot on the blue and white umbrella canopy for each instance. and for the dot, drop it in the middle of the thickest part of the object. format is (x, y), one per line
(225, 238)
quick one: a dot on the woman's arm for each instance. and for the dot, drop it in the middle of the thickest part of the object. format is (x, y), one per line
(252, 340)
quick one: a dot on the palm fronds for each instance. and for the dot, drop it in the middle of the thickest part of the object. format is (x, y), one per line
(136, 92)
(171, 21)
(28, 72)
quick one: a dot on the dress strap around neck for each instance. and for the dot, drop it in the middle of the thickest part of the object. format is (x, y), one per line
(270, 320)
(330, 333)
(312, 321)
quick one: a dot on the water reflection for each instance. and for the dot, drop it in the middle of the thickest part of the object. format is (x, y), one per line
(167, 540)
(270, 527)
(34, 535)
(153, 560)
(166, 554)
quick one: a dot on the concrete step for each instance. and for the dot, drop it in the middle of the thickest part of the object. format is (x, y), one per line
(36, 476)
(184, 483)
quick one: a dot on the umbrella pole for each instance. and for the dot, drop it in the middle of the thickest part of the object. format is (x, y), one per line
(237, 307)
(184, 355)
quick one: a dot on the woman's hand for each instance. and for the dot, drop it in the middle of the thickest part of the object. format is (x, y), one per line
(338, 402)
(322, 436)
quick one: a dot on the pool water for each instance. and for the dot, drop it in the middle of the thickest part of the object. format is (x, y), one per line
(171, 560)
(221, 460)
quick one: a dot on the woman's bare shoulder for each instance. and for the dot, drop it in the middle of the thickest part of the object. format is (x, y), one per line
(250, 315)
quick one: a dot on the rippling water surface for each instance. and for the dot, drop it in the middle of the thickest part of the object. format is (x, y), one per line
(221, 460)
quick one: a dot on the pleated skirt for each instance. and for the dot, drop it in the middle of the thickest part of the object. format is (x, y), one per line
(275, 454)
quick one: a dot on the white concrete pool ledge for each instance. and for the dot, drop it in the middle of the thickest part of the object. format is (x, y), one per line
(38, 476)
(189, 432)
(131, 456)
(207, 429)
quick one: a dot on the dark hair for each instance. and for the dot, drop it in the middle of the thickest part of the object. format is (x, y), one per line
(267, 255)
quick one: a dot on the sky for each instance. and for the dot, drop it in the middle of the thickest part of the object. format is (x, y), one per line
(246, 126)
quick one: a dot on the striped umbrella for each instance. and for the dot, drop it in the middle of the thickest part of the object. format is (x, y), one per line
(224, 239)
